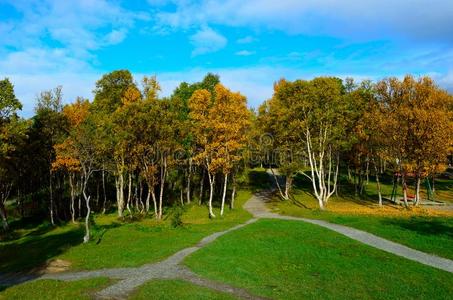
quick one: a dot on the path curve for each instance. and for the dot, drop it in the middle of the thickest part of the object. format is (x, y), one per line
(171, 268)
(257, 207)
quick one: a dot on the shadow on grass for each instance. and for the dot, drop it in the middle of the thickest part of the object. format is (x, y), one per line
(33, 251)
(423, 225)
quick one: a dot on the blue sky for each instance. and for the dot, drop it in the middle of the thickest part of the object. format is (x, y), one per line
(250, 44)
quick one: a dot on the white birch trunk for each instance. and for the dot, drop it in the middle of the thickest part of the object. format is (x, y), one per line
(224, 194)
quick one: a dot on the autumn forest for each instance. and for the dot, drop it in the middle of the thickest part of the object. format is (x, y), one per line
(130, 150)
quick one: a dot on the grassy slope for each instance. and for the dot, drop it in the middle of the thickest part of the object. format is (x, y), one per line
(295, 260)
(114, 244)
(176, 289)
(54, 289)
(428, 234)
(423, 229)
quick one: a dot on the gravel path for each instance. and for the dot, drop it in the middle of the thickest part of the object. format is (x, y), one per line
(171, 268)
(256, 206)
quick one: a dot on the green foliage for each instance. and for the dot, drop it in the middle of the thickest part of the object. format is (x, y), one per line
(176, 216)
(9, 104)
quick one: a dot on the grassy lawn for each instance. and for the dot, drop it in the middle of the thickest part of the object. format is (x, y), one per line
(425, 229)
(295, 260)
(426, 233)
(176, 289)
(115, 243)
(54, 289)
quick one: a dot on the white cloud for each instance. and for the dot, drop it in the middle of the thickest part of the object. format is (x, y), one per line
(115, 37)
(245, 53)
(246, 40)
(413, 19)
(207, 40)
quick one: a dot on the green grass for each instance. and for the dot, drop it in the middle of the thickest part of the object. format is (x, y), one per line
(54, 289)
(176, 289)
(429, 234)
(115, 244)
(296, 260)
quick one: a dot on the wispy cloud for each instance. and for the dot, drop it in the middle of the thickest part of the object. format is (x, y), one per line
(246, 40)
(207, 40)
(411, 19)
(245, 53)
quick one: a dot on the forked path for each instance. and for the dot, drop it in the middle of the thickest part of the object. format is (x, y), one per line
(171, 268)
(256, 206)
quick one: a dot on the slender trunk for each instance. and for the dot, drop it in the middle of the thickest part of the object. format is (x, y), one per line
(71, 184)
(86, 238)
(103, 189)
(233, 194)
(378, 184)
(211, 178)
(349, 174)
(201, 187)
(403, 181)
(79, 194)
(129, 191)
(4, 216)
(417, 190)
(162, 184)
(120, 198)
(288, 186)
(189, 178)
(51, 198)
(224, 194)
(367, 170)
(278, 184)
(86, 177)
(140, 197)
(147, 201)
(153, 195)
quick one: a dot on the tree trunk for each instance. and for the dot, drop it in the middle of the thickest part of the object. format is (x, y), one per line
(103, 188)
(86, 238)
(51, 198)
(120, 199)
(403, 181)
(162, 184)
(129, 194)
(367, 170)
(79, 192)
(378, 184)
(201, 187)
(189, 177)
(278, 184)
(233, 194)
(153, 195)
(147, 201)
(211, 178)
(224, 194)
(72, 209)
(287, 186)
(417, 190)
(4, 216)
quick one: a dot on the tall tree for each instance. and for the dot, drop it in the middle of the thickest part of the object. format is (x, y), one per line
(12, 130)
